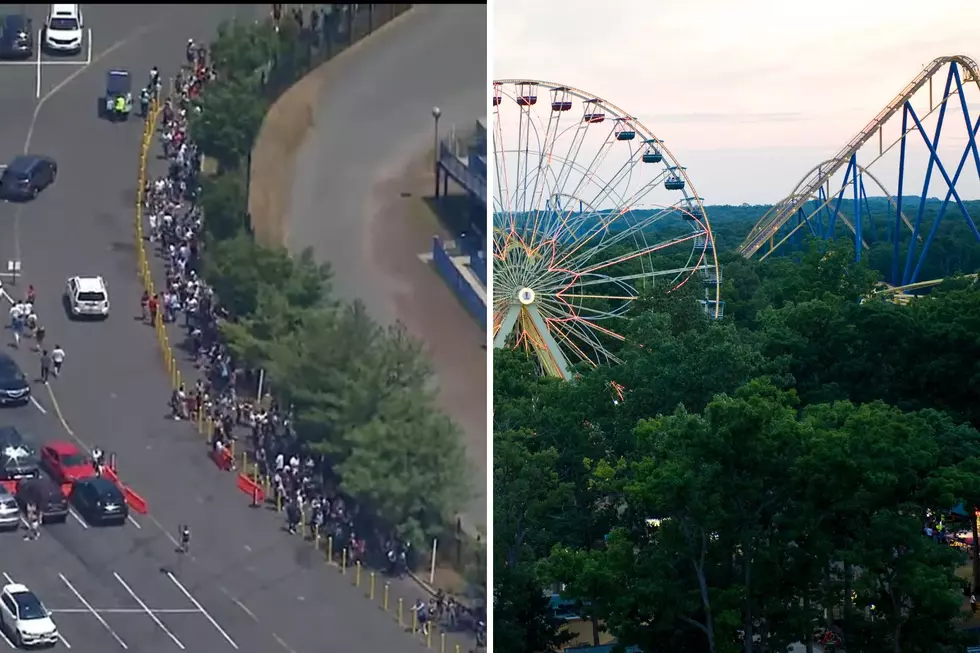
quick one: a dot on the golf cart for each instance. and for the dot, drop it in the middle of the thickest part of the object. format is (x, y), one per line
(118, 95)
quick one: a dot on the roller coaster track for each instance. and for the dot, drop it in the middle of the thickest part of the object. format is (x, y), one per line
(783, 211)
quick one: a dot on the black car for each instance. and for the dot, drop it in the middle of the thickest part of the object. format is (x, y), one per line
(14, 388)
(26, 176)
(16, 37)
(47, 496)
(18, 456)
(100, 501)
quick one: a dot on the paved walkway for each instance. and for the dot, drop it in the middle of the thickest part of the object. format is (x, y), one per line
(367, 150)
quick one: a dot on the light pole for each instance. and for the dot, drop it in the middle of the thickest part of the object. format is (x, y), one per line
(436, 113)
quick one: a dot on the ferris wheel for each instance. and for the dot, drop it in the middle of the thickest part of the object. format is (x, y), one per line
(590, 210)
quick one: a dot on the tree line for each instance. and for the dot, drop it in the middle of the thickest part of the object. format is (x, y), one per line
(362, 393)
(761, 478)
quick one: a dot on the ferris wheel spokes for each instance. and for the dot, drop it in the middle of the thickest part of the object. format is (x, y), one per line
(579, 230)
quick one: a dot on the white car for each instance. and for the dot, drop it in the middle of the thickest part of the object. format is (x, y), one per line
(25, 618)
(9, 510)
(63, 28)
(87, 297)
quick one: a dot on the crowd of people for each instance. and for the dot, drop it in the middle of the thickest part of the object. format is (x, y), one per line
(301, 483)
(24, 324)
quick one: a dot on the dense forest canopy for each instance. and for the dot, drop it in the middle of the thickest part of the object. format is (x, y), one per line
(762, 478)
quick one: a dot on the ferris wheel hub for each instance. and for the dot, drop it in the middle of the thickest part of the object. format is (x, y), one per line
(525, 296)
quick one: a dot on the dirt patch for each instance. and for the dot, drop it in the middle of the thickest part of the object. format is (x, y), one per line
(283, 132)
(402, 229)
(274, 155)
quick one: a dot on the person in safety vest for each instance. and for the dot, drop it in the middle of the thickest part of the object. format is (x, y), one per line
(120, 104)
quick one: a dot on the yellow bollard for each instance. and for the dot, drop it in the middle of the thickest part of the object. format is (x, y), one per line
(343, 560)
(385, 602)
(457, 648)
(245, 462)
(415, 622)
(428, 638)
(330, 549)
(442, 642)
(200, 421)
(316, 536)
(231, 445)
(279, 503)
(371, 586)
(401, 612)
(357, 574)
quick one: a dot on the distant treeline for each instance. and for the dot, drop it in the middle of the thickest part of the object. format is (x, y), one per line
(955, 249)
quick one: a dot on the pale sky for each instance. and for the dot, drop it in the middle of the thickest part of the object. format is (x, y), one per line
(750, 95)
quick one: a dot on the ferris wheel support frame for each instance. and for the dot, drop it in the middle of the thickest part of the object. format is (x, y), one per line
(816, 185)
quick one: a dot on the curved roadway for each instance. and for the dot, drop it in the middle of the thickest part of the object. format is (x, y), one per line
(372, 123)
(250, 588)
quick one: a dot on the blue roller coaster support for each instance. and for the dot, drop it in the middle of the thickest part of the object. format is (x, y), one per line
(911, 273)
(822, 221)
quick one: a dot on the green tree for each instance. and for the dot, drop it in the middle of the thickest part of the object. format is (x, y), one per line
(241, 49)
(226, 119)
(530, 499)
(522, 618)
(224, 200)
(408, 465)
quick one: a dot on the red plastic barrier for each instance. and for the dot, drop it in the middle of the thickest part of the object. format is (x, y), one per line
(10, 485)
(135, 501)
(223, 459)
(251, 488)
(66, 489)
(110, 474)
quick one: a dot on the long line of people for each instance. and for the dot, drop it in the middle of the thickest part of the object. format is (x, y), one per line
(302, 483)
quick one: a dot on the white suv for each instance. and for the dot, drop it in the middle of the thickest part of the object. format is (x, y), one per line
(25, 618)
(87, 297)
(63, 28)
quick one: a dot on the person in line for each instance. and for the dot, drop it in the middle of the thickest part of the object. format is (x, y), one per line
(421, 610)
(17, 322)
(57, 359)
(39, 337)
(45, 366)
(154, 306)
(98, 460)
(33, 519)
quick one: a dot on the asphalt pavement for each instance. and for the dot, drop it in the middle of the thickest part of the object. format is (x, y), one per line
(245, 585)
(373, 121)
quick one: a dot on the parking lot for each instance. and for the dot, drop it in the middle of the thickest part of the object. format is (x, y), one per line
(122, 587)
(116, 588)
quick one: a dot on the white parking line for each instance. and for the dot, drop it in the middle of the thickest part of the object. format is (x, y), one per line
(71, 511)
(41, 408)
(63, 640)
(92, 611)
(149, 612)
(200, 607)
(134, 522)
(6, 639)
(125, 611)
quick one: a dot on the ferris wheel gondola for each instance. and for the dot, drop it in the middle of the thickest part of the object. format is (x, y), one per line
(590, 210)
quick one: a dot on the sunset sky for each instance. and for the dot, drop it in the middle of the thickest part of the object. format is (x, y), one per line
(748, 95)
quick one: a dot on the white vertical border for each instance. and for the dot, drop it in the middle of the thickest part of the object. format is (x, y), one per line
(489, 251)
